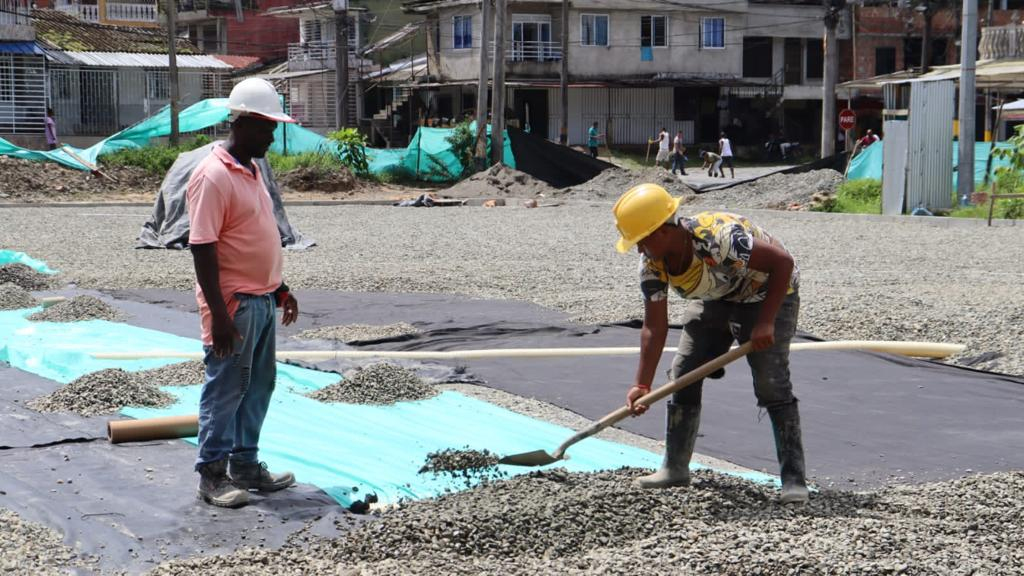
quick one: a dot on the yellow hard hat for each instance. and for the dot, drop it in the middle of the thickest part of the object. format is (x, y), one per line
(640, 211)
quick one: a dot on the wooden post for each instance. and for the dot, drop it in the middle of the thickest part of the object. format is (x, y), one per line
(563, 130)
(498, 98)
(341, 63)
(481, 85)
(172, 66)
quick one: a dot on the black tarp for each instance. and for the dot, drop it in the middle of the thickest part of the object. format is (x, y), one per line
(167, 227)
(559, 166)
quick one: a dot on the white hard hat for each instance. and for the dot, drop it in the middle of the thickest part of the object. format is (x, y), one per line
(257, 97)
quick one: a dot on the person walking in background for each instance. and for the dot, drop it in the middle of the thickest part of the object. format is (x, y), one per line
(725, 151)
(678, 154)
(51, 130)
(593, 139)
(663, 140)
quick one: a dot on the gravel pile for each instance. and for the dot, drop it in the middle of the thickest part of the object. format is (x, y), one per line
(29, 548)
(13, 297)
(555, 522)
(360, 332)
(27, 181)
(500, 180)
(102, 392)
(180, 374)
(77, 309)
(24, 276)
(611, 183)
(775, 192)
(861, 278)
(382, 383)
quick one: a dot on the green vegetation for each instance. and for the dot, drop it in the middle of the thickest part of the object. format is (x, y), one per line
(319, 161)
(462, 140)
(351, 149)
(862, 196)
(153, 159)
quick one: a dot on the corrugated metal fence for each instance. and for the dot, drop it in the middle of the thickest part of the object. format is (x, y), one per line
(625, 115)
(22, 94)
(100, 102)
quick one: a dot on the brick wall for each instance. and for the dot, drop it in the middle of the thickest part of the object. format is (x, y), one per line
(265, 37)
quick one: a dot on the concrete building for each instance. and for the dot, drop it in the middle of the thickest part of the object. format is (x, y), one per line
(243, 28)
(134, 13)
(750, 68)
(22, 75)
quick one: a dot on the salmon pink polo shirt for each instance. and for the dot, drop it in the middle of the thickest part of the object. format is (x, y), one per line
(229, 204)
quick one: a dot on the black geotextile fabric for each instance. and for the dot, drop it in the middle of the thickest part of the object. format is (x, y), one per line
(835, 162)
(167, 226)
(559, 166)
(868, 419)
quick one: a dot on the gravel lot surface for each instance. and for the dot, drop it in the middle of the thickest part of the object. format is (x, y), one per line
(556, 522)
(13, 297)
(102, 392)
(359, 332)
(381, 383)
(911, 279)
(77, 309)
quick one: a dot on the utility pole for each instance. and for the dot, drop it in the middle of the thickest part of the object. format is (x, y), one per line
(498, 98)
(487, 32)
(968, 57)
(563, 131)
(830, 77)
(926, 35)
(341, 63)
(172, 66)
(988, 93)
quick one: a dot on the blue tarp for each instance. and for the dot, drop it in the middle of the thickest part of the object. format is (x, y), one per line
(868, 164)
(29, 48)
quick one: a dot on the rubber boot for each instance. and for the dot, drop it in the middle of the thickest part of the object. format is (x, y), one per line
(790, 450)
(681, 426)
(216, 488)
(255, 476)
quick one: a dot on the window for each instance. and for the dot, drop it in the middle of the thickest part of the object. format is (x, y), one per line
(712, 33)
(6, 78)
(652, 32)
(757, 57)
(885, 60)
(462, 32)
(815, 59)
(594, 29)
(531, 38)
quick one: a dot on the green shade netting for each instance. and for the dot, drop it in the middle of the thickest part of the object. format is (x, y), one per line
(13, 257)
(868, 164)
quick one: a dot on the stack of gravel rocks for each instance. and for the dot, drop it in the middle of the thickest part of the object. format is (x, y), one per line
(102, 392)
(25, 277)
(360, 332)
(188, 373)
(29, 548)
(14, 297)
(382, 384)
(464, 464)
(78, 309)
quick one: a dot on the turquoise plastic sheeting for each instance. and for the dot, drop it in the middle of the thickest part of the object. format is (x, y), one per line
(346, 450)
(868, 164)
(13, 257)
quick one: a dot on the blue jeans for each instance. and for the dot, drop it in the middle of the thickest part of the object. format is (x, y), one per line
(678, 163)
(237, 391)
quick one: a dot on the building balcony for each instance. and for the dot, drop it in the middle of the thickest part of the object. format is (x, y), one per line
(316, 55)
(126, 12)
(998, 42)
(14, 20)
(86, 12)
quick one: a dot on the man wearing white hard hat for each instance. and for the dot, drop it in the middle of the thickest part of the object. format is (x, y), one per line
(236, 249)
(741, 284)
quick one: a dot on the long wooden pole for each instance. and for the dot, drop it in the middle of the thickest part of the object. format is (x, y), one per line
(498, 98)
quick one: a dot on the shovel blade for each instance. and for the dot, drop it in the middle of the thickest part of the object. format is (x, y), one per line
(535, 458)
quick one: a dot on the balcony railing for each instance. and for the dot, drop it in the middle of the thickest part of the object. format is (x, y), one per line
(999, 42)
(15, 12)
(87, 12)
(315, 51)
(530, 51)
(117, 11)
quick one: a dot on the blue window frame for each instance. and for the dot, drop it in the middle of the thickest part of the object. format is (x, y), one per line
(462, 32)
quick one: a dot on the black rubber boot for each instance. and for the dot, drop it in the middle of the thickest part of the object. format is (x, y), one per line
(681, 426)
(790, 450)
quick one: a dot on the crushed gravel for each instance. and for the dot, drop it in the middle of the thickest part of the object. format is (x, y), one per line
(21, 275)
(78, 309)
(30, 548)
(188, 373)
(861, 277)
(466, 465)
(13, 297)
(775, 192)
(555, 522)
(360, 332)
(102, 392)
(499, 180)
(381, 383)
(611, 183)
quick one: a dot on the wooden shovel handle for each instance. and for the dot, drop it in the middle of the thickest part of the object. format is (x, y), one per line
(657, 394)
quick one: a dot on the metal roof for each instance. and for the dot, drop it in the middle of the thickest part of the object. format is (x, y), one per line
(59, 31)
(130, 60)
(20, 48)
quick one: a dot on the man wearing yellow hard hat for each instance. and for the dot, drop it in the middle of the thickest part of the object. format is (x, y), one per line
(742, 284)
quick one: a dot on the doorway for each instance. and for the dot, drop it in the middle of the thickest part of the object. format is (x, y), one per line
(531, 107)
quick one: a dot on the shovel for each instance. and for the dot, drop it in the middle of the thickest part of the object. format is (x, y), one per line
(647, 156)
(542, 458)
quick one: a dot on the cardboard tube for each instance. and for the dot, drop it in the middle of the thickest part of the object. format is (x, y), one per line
(51, 300)
(916, 349)
(167, 427)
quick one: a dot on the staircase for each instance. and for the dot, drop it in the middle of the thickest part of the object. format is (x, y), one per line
(382, 122)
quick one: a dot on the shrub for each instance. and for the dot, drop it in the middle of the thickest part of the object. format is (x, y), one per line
(153, 159)
(463, 140)
(317, 160)
(862, 196)
(351, 149)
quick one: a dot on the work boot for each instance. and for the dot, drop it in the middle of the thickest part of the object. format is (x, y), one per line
(215, 488)
(790, 451)
(681, 425)
(255, 476)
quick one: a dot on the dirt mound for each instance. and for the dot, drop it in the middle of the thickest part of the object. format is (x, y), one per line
(500, 180)
(28, 181)
(775, 192)
(611, 183)
(312, 179)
